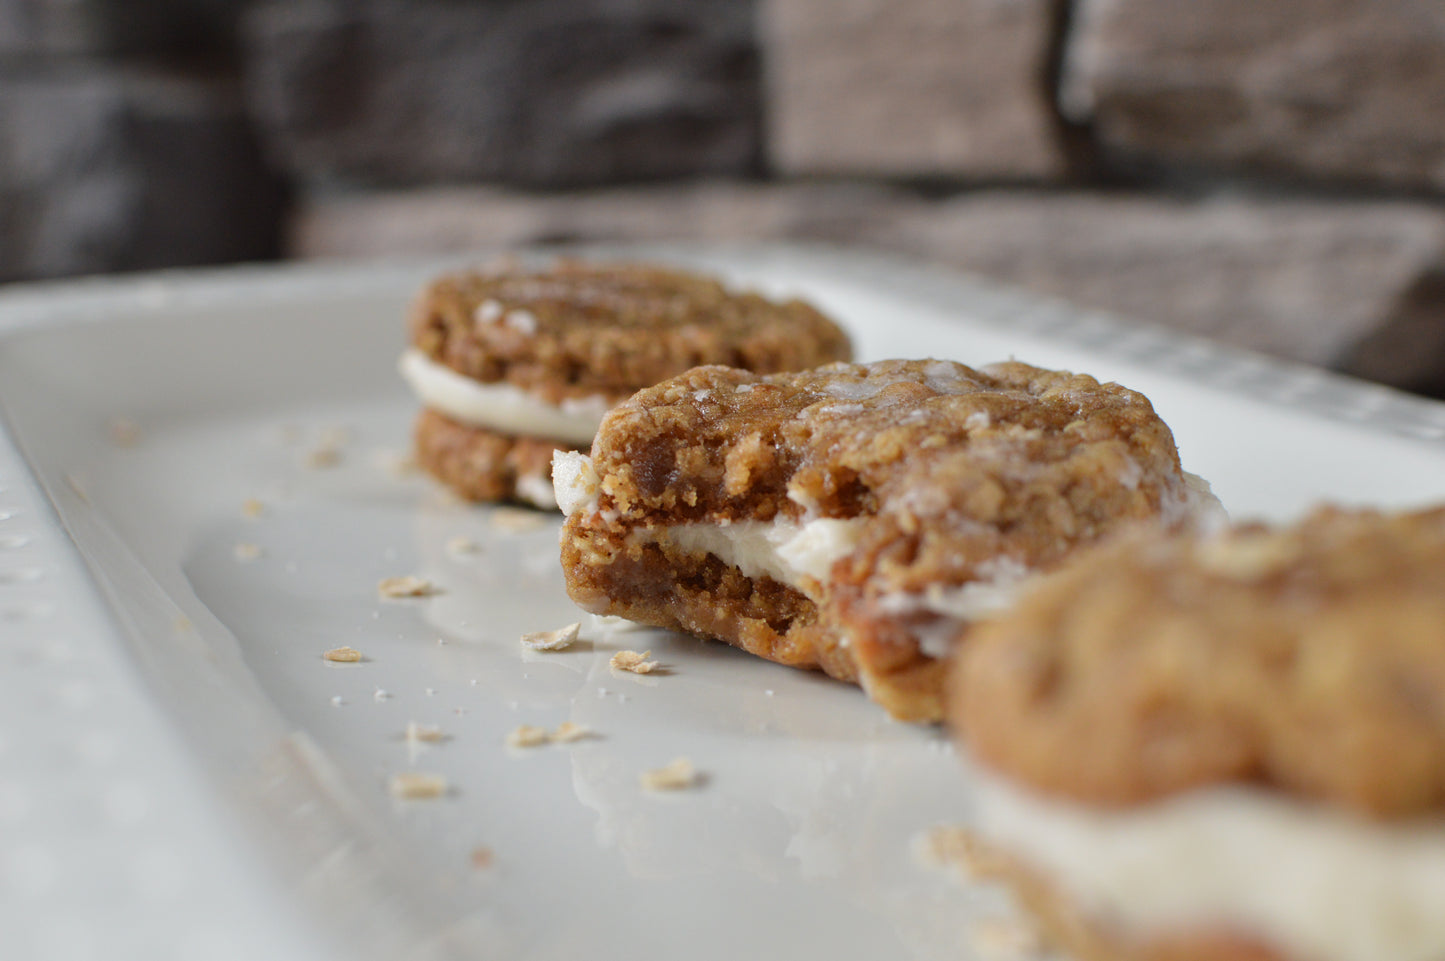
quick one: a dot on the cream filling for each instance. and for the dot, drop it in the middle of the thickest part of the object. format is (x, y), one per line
(796, 554)
(996, 585)
(500, 407)
(1315, 883)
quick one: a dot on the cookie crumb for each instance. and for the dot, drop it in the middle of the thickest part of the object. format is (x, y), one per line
(1005, 939)
(247, 552)
(407, 586)
(482, 857)
(252, 507)
(569, 731)
(320, 458)
(124, 432)
(527, 735)
(679, 775)
(424, 733)
(342, 655)
(634, 662)
(516, 520)
(949, 846)
(461, 545)
(416, 786)
(398, 464)
(557, 640)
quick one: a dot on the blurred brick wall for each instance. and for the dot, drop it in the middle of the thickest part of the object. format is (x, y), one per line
(1268, 174)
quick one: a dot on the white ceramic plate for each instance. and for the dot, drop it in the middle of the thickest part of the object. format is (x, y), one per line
(800, 841)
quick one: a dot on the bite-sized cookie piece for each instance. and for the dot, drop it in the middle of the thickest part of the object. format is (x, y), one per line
(514, 361)
(1226, 742)
(855, 518)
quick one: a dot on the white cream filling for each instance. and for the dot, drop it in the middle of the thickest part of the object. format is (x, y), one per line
(1315, 883)
(796, 554)
(996, 586)
(500, 407)
(574, 483)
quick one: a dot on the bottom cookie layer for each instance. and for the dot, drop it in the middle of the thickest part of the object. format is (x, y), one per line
(664, 586)
(483, 465)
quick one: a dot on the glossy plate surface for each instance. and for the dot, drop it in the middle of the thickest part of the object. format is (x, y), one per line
(223, 449)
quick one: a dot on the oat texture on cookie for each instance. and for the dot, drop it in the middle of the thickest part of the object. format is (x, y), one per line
(857, 518)
(514, 363)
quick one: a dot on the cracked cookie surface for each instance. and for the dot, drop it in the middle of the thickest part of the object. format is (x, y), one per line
(856, 518)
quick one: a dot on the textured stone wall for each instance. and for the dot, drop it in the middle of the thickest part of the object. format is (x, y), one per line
(1267, 174)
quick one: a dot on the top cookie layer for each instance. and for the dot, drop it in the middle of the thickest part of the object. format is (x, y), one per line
(1310, 658)
(581, 330)
(953, 466)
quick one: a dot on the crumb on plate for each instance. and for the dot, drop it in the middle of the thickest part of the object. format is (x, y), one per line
(247, 552)
(461, 544)
(633, 662)
(406, 586)
(417, 786)
(428, 733)
(569, 731)
(527, 735)
(124, 432)
(560, 639)
(342, 655)
(679, 775)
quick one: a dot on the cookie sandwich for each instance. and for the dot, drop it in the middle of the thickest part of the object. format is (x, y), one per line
(511, 365)
(856, 518)
(1226, 747)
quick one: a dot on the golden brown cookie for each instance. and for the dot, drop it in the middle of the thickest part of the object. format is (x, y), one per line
(1238, 736)
(537, 356)
(1311, 658)
(855, 518)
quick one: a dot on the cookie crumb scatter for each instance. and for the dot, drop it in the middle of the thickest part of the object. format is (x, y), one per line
(408, 586)
(252, 507)
(558, 640)
(247, 552)
(423, 733)
(124, 432)
(516, 520)
(343, 655)
(569, 731)
(527, 735)
(633, 662)
(1005, 939)
(679, 775)
(416, 786)
(482, 858)
(462, 545)
(396, 463)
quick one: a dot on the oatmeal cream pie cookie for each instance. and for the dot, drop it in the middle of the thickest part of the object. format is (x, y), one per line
(1223, 747)
(855, 518)
(511, 365)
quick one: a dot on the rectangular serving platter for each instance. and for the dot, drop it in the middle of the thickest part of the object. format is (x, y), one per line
(173, 424)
